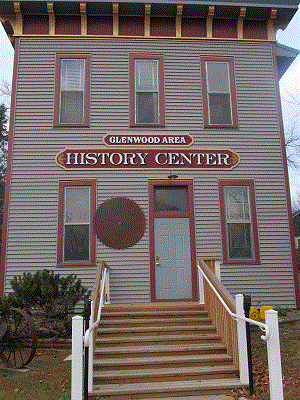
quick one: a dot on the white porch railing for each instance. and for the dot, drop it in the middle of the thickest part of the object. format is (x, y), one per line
(100, 295)
(227, 315)
(223, 311)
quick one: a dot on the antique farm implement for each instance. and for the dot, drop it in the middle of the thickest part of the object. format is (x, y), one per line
(18, 338)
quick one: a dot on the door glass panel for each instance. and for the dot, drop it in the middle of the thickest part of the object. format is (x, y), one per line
(170, 199)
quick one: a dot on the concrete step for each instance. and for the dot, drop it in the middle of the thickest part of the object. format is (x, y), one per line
(198, 360)
(165, 374)
(163, 389)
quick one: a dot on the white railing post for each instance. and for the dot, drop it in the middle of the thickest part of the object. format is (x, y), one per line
(91, 350)
(242, 340)
(201, 287)
(77, 358)
(218, 269)
(274, 357)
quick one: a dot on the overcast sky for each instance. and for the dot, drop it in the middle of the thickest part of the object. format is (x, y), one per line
(289, 84)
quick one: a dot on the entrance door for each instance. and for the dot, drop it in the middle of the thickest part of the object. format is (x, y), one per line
(172, 247)
(172, 258)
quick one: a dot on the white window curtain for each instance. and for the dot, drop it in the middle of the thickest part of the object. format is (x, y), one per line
(72, 91)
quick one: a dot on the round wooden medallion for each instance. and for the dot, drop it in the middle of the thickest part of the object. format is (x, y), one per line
(119, 223)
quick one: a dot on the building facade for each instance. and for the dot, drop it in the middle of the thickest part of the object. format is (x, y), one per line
(157, 126)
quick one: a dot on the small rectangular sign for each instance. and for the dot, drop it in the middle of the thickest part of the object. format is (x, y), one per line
(139, 140)
(116, 158)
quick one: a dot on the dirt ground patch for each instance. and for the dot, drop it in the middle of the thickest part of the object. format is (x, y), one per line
(289, 329)
(47, 378)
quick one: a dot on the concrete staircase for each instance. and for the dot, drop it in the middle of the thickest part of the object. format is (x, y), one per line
(160, 349)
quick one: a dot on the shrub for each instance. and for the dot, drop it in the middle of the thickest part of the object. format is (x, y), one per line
(282, 312)
(55, 295)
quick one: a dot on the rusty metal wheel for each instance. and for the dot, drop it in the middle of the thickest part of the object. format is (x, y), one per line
(18, 338)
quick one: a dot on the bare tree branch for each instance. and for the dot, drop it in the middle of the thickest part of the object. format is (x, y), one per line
(296, 203)
(5, 92)
(292, 133)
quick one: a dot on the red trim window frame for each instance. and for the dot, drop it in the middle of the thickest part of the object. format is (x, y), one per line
(62, 260)
(135, 91)
(188, 213)
(83, 72)
(210, 95)
(250, 211)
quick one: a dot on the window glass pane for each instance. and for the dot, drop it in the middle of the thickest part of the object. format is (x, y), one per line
(238, 204)
(217, 73)
(76, 247)
(239, 240)
(238, 221)
(219, 109)
(77, 205)
(71, 107)
(147, 108)
(146, 75)
(170, 199)
(72, 74)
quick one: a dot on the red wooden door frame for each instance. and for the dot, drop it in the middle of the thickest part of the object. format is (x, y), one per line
(163, 214)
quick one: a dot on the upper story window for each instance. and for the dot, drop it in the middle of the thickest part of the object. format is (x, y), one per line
(72, 90)
(76, 239)
(239, 225)
(219, 98)
(146, 90)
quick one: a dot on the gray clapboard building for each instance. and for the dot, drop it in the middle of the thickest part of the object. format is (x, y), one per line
(163, 119)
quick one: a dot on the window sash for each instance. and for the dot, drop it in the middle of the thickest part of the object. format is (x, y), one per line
(218, 93)
(237, 204)
(72, 91)
(147, 106)
(77, 243)
(147, 91)
(77, 227)
(217, 75)
(239, 226)
(72, 74)
(146, 75)
(219, 97)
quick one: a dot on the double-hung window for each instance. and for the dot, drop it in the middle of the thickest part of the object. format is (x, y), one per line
(76, 239)
(146, 90)
(219, 98)
(72, 90)
(239, 224)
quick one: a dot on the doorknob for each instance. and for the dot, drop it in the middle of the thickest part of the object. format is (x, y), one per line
(157, 261)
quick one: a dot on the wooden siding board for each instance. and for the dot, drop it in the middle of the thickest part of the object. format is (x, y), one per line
(34, 186)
